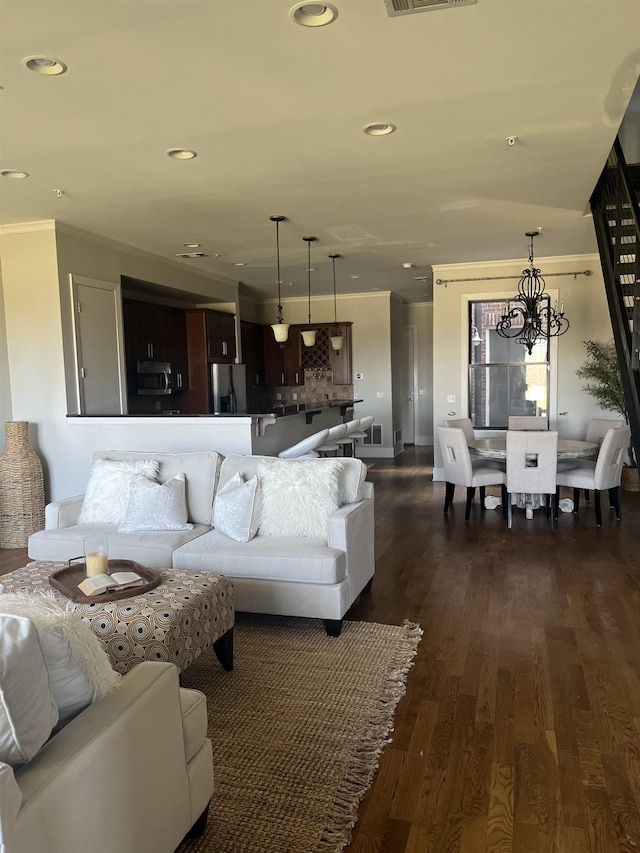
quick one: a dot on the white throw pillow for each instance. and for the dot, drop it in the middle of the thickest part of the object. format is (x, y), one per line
(107, 495)
(298, 496)
(236, 511)
(27, 710)
(79, 670)
(156, 506)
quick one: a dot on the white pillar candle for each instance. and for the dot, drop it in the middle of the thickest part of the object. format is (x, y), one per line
(97, 563)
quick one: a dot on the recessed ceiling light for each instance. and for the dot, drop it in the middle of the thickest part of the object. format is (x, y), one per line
(44, 65)
(313, 14)
(13, 173)
(180, 153)
(191, 245)
(378, 128)
(354, 276)
(407, 266)
(239, 264)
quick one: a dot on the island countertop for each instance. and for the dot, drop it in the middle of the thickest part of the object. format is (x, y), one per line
(278, 410)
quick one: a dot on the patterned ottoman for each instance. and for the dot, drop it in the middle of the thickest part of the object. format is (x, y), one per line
(188, 613)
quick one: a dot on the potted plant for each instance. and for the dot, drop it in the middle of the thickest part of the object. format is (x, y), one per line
(604, 383)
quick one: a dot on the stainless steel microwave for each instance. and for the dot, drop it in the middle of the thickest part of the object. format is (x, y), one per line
(153, 377)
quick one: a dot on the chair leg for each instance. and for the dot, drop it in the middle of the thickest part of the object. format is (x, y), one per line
(586, 495)
(470, 493)
(483, 494)
(505, 498)
(448, 496)
(509, 511)
(576, 501)
(556, 503)
(596, 506)
(553, 511)
(614, 498)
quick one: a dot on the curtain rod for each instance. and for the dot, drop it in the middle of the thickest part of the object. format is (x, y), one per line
(447, 281)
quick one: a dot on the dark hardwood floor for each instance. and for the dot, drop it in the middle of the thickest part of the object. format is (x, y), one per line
(520, 728)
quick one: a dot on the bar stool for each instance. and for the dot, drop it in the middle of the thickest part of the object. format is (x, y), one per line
(307, 448)
(361, 432)
(331, 444)
(347, 439)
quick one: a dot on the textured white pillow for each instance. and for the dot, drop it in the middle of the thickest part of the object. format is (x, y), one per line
(298, 496)
(156, 506)
(79, 669)
(107, 495)
(236, 511)
(27, 710)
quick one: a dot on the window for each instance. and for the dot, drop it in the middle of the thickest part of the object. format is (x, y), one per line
(503, 378)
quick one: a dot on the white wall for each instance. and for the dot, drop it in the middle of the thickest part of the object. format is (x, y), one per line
(5, 384)
(585, 308)
(37, 261)
(397, 368)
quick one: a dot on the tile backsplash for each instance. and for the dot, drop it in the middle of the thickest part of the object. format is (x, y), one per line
(317, 387)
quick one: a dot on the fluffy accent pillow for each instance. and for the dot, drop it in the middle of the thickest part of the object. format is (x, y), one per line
(27, 710)
(298, 496)
(107, 495)
(156, 506)
(236, 511)
(79, 669)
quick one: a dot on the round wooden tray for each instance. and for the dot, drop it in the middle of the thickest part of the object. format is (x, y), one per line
(66, 581)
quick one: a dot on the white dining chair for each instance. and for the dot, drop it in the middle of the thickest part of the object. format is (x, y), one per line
(605, 474)
(516, 422)
(532, 458)
(466, 425)
(597, 428)
(458, 470)
(307, 448)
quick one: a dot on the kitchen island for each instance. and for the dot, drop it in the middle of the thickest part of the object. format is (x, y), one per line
(257, 433)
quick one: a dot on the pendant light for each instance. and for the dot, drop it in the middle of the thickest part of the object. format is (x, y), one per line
(309, 335)
(280, 329)
(335, 336)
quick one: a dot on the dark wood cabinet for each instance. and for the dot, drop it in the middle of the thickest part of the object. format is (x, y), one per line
(252, 339)
(221, 337)
(155, 332)
(283, 362)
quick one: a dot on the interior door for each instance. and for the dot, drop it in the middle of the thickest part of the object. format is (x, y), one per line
(408, 389)
(99, 346)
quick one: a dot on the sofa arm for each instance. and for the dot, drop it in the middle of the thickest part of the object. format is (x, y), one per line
(10, 800)
(62, 513)
(109, 780)
(352, 529)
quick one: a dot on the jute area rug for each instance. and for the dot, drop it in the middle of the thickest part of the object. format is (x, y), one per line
(297, 730)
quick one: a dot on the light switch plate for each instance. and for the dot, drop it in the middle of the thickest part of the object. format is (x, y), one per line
(451, 398)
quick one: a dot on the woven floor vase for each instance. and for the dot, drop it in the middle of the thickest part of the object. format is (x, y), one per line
(21, 488)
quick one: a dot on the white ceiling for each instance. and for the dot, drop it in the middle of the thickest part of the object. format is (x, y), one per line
(276, 110)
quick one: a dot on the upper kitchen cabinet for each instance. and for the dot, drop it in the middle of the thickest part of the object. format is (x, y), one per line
(251, 336)
(154, 332)
(283, 362)
(221, 337)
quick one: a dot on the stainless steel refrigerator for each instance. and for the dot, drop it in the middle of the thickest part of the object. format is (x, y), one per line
(228, 388)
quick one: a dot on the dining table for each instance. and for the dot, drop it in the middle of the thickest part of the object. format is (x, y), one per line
(496, 448)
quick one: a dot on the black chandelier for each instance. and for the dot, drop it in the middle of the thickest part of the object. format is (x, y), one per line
(529, 315)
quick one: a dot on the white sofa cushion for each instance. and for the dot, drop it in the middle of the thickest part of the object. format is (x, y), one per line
(156, 506)
(303, 560)
(352, 476)
(200, 467)
(149, 548)
(237, 508)
(27, 710)
(80, 671)
(298, 496)
(107, 494)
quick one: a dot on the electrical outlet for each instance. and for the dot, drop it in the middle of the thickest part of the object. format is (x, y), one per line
(421, 392)
(278, 395)
(294, 395)
(451, 398)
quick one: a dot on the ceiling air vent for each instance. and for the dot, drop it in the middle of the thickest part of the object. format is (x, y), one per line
(408, 7)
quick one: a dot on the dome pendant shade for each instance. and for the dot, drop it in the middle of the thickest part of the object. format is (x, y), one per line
(309, 335)
(280, 329)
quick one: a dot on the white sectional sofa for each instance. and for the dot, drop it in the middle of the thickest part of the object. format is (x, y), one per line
(109, 781)
(318, 576)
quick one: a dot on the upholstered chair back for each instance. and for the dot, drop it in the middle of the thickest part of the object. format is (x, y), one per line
(455, 455)
(532, 459)
(598, 428)
(532, 423)
(465, 425)
(608, 470)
